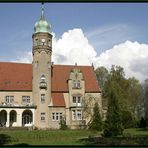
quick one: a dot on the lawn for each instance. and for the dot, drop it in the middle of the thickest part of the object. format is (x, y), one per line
(48, 137)
(57, 137)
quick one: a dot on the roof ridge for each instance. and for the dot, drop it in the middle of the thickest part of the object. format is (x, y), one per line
(14, 63)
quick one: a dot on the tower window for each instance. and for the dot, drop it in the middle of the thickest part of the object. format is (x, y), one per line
(42, 98)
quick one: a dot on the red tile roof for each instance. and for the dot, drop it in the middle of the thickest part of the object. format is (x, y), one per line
(60, 75)
(58, 99)
(18, 76)
(15, 76)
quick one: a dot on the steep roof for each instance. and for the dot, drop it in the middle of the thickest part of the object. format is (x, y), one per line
(58, 99)
(60, 75)
(15, 76)
(18, 76)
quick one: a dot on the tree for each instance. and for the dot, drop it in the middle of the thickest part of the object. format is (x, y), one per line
(96, 121)
(88, 103)
(102, 74)
(145, 100)
(127, 119)
(113, 124)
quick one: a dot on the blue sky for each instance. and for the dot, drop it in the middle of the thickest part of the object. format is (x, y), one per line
(103, 24)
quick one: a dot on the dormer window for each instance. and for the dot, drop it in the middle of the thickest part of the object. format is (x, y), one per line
(76, 84)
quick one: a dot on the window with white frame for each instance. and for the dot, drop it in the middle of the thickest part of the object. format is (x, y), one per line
(77, 114)
(42, 116)
(42, 98)
(76, 100)
(9, 99)
(56, 116)
(25, 99)
(76, 84)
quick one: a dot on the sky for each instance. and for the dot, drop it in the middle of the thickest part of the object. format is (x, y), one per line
(104, 34)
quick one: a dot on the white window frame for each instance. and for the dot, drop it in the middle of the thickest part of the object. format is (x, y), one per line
(25, 99)
(42, 116)
(42, 98)
(9, 99)
(76, 84)
(77, 101)
(76, 114)
(57, 116)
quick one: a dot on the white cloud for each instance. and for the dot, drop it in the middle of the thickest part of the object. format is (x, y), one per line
(26, 58)
(132, 56)
(73, 47)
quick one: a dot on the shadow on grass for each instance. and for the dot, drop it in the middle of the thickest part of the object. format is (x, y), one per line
(115, 141)
(4, 139)
(142, 129)
(21, 144)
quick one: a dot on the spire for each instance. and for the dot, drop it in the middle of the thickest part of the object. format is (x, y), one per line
(42, 16)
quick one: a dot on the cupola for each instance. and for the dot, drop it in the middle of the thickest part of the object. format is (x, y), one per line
(42, 25)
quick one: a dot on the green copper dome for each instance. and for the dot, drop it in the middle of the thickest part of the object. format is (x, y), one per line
(42, 25)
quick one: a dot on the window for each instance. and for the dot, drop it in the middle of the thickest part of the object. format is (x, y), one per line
(73, 115)
(76, 100)
(56, 116)
(42, 116)
(42, 98)
(25, 99)
(79, 115)
(76, 114)
(53, 116)
(76, 83)
(9, 99)
(35, 42)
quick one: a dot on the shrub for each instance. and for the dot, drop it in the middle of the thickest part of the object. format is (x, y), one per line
(63, 125)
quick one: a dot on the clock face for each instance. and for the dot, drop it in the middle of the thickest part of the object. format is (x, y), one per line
(43, 40)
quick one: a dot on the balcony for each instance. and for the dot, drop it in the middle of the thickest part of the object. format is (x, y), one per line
(16, 105)
(43, 85)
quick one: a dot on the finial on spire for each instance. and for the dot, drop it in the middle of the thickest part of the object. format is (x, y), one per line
(42, 16)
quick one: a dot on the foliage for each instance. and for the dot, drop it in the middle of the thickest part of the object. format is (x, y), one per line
(88, 102)
(142, 123)
(102, 74)
(145, 100)
(127, 119)
(96, 122)
(128, 90)
(113, 124)
(63, 125)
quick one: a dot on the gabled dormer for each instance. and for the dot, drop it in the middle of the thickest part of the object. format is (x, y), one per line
(76, 86)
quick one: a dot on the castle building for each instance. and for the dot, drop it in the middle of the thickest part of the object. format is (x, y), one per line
(42, 93)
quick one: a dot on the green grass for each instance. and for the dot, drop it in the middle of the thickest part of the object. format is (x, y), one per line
(136, 132)
(56, 137)
(48, 137)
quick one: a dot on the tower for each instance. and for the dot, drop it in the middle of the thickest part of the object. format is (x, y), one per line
(42, 51)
